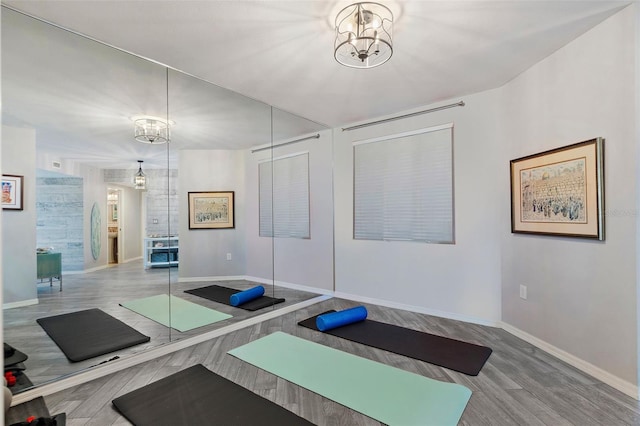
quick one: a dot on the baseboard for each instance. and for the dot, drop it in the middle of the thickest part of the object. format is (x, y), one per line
(417, 309)
(604, 376)
(379, 302)
(81, 271)
(197, 279)
(129, 260)
(85, 271)
(290, 285)
(20, 304)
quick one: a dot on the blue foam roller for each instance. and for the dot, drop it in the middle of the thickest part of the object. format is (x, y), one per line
(326, 322)
(246, 296)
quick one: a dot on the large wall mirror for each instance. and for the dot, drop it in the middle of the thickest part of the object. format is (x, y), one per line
(217, 208)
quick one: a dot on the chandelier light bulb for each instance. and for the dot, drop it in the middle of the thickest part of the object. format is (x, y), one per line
(140, 179)
(364, 35)
(151, 130)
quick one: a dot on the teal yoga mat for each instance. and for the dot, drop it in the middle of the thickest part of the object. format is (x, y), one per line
(387, 394)
(184, 315)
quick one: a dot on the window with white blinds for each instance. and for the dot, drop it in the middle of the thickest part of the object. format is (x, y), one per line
(284, 197)
(403, 186)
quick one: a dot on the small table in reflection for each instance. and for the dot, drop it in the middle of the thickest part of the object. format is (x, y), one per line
(50, 266)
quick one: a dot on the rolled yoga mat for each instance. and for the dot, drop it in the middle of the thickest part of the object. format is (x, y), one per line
(245, 296)
(198, 396)
(332, 320)
(223, 295)
(456, 355)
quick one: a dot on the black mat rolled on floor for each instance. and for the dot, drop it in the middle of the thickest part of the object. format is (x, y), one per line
(198, 396)
(86, 334)
(221, 294)
(456, 355)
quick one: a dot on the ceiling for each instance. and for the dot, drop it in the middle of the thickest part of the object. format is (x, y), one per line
(276, 52)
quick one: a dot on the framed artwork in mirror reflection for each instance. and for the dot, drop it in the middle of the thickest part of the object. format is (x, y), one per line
(211, 210)
(12, 192)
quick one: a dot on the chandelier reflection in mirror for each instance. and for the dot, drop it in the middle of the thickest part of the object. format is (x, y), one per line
(364, 35)
(153, 130)
(140, 179)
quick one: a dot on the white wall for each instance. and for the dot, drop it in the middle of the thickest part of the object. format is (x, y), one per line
(637, 175)
(460, 280)
(19, 268)
(296, 262)
(582, 295)
(203, 251)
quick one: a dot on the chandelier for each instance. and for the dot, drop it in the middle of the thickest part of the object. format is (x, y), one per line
(364, 35)
(153, 130)
(140, 179)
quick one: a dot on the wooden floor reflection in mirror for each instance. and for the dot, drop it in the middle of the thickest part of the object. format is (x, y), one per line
(105, 289)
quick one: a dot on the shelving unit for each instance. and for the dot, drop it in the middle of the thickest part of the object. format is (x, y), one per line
(160, 252)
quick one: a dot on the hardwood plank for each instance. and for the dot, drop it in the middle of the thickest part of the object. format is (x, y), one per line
(519, 385)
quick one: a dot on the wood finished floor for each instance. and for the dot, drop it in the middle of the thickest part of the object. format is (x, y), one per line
(105, 289)
(519, 385)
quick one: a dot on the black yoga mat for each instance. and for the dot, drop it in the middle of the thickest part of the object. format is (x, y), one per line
(86, 334)
(456, 355)
(222, 294)
(58, 419)
(198, 396)
(22, 382)
(12, 356)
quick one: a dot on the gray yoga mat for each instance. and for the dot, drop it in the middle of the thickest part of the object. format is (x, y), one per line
(86, 334)
(198, 396)
(467, 358)
(220, 294)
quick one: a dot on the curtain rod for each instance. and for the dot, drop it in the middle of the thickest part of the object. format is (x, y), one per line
(359, 126)
(316, 136)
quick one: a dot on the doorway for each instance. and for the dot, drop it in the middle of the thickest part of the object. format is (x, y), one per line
(114, 225)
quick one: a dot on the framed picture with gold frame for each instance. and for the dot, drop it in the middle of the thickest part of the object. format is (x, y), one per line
(211, 210)
(560, 192)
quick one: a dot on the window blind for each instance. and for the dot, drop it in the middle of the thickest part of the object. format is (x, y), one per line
(284, 197)
(403, 187)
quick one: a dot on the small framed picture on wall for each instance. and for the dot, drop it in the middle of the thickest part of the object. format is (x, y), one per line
(12, 192)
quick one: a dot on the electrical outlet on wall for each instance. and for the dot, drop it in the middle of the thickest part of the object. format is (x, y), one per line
(228, 256)
(523, 291)
(155, 221)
